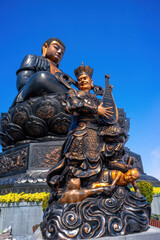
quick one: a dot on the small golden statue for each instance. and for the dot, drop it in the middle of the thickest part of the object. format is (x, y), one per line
(112, 178)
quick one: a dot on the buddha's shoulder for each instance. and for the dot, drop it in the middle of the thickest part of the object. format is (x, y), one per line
(31, 59)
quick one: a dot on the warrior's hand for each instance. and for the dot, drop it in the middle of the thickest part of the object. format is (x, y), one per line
(106, 112)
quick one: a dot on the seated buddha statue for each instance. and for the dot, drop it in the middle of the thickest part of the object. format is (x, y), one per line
(37, 111)
(41, 74)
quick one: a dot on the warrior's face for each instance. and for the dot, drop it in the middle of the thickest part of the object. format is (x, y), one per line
(54, 51)
(85, 83)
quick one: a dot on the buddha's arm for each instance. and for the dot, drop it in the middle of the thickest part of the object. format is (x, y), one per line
(23, 77)
(30, 65)
(27, 69)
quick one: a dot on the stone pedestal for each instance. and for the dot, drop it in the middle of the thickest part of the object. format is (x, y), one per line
(151, 234)
(118, 214)
(24, 168)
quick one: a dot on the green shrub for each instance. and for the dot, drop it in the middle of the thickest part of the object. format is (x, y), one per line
(146, 189)
(45, 202)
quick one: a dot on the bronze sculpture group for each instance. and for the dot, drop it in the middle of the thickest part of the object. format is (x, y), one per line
(89, 194)
(85, 153)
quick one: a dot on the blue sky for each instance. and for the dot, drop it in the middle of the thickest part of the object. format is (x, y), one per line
(118, 37)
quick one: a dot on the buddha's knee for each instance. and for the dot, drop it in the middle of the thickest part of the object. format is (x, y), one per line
(41, 79)
(47, 82)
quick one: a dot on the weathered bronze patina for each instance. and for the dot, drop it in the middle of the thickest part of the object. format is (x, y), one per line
(89, 195)
(115, 177)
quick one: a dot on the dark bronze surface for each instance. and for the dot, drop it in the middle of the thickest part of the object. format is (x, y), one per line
(121, 213)
(13, 161)
(33, 119)
(108, 102)
(92, 144)
(24, 168)
(94, 163)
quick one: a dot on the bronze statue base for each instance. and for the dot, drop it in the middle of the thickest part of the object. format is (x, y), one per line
(122, 213)
(24, 168)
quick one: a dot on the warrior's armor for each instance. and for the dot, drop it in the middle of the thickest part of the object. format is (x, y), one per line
(85, 150)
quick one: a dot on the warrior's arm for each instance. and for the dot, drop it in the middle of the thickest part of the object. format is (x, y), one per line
(75, 104)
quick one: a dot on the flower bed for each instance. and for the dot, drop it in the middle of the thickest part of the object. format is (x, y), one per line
(23, 197)
(156, 190)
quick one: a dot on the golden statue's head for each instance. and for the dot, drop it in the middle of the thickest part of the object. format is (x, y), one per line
(132, 175)
(53, 49)
(84, 77)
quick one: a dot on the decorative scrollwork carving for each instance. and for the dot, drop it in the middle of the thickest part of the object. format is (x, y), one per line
(20, 114)
(97, 217)
(36, 127)
(60, 124)
(115, 226)
(13, 161)
(34, 118)
(15, 132)
(5, 120)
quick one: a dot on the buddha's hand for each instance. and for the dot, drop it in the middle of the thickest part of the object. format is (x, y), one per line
(106, 112)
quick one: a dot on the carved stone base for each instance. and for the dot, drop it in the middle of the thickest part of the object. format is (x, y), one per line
(24, 168)
(151, 233)
(120, 214)
(29, 182)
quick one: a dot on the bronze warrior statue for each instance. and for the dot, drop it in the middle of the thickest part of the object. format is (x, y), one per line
(94, 138)
(89, 194)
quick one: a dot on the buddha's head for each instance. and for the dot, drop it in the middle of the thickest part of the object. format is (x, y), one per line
(53, 49)
(84, 77)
